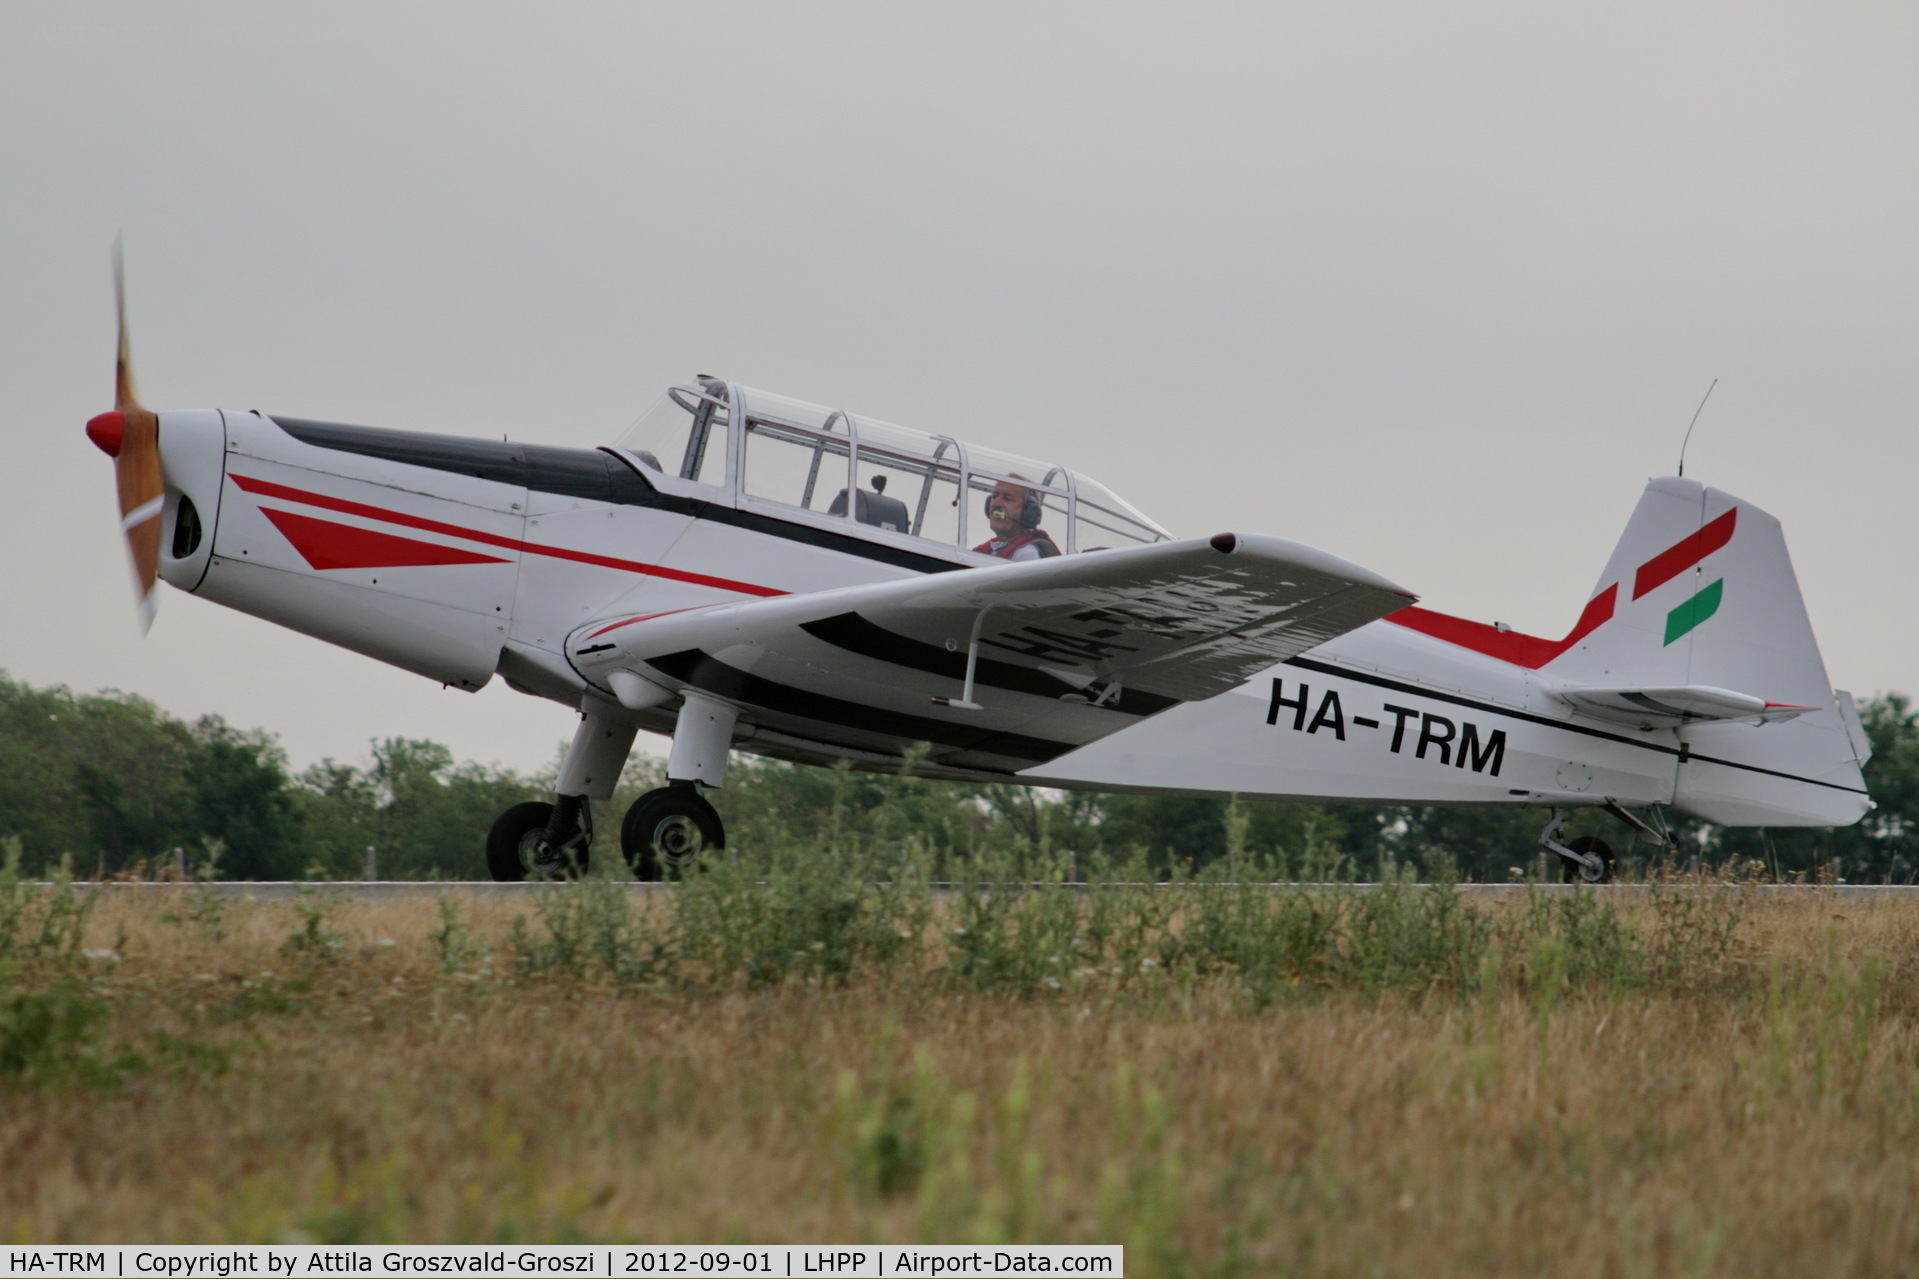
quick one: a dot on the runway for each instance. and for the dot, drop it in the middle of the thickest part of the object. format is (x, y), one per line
(400, 890)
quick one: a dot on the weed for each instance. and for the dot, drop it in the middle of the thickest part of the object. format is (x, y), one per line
(456, 948)
(1693, 934)
(267, 994)
(1593, 943)
(187, 1057)
(1410, 936)
(1128, 920)
(884, 1133)
(589, 928)
(52, 1037)
(206, 905)
(805, 913)
(1007, 933)
(315, 940)
(40, 926)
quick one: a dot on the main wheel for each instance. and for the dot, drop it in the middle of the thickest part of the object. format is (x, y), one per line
(516, 847)
(1578, 873)
(665, 830)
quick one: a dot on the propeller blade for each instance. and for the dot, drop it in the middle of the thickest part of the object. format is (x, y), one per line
(124, 396)
(130, 435)
(142, 498)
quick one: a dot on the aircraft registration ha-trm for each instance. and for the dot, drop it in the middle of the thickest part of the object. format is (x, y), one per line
(746, 571)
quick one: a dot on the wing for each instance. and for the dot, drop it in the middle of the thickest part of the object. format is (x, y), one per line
(1068, 649)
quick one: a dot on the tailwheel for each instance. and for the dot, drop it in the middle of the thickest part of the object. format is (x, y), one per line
(666, 829)
(1579, 872)
(517, 847)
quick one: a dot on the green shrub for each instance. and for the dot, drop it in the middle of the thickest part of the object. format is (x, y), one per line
(41, 925)
(805, 911)
(588, 928)
(53, 1036)
(315, 940)
(457, 951)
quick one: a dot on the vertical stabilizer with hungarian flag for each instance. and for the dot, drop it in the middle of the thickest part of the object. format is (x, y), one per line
(1699, 621)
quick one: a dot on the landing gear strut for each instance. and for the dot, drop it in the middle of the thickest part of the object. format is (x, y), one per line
(1587, 860)
(666, 829)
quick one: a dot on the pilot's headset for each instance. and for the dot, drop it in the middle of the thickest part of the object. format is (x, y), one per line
(1030, 511)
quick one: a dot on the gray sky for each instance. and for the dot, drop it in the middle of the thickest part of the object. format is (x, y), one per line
(1434, 287)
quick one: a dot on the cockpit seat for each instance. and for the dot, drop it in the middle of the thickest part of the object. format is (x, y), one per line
(875, 508)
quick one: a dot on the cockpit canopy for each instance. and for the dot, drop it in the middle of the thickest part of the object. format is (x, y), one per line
(799, 458)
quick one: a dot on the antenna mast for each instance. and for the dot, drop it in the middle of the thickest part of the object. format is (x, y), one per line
(1695, 422)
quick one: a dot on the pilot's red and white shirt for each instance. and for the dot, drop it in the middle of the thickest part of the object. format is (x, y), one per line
(1033, 544)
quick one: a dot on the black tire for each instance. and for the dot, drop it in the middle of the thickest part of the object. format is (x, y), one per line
(516, 847)
(665, 831)
(1578, 874)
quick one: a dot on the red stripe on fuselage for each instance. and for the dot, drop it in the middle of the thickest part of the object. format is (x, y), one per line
(646, 617)
(267, 488)
(1532, 652)
(327, 545)
(1529, 651)
(1684, 553)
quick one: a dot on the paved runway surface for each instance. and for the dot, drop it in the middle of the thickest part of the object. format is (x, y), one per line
(395, 890)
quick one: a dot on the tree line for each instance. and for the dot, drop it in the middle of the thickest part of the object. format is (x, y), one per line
(114, 785)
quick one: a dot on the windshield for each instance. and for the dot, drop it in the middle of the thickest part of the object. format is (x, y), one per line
(685, 434)
(836, 465)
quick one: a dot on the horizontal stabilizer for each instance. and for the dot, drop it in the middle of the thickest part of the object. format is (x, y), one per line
(1667, 707)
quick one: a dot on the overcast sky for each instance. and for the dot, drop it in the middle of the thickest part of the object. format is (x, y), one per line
(1433, 287)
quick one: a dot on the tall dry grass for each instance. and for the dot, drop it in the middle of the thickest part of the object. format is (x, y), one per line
(1229, 1081)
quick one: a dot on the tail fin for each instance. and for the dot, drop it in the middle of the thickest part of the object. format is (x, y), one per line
(1700, 597)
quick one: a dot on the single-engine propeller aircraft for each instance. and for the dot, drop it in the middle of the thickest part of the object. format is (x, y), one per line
(747, 571)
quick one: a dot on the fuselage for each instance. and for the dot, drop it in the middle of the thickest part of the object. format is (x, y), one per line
(459, 559)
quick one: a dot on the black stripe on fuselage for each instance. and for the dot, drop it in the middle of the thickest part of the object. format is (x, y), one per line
(586, 473)
(844, 543)
(856, 634)
(593, 474)
(711, 675)
(1685, 753)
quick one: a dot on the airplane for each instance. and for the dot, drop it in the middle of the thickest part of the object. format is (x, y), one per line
(747, 571)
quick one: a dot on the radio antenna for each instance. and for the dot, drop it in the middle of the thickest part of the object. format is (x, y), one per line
(1695, 422)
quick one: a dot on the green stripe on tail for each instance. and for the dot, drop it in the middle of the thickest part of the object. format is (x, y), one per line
(1694, 611)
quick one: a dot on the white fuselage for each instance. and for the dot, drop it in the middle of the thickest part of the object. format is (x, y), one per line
(462, 559)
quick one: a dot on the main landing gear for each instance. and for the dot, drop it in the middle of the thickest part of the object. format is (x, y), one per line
(519, 847)
(665, 829)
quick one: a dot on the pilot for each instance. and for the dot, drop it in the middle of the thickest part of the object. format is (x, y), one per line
(1014, 511)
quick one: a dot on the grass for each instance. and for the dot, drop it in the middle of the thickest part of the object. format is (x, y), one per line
(1230, 1081)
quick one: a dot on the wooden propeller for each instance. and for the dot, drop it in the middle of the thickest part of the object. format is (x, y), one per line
(130, 435)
